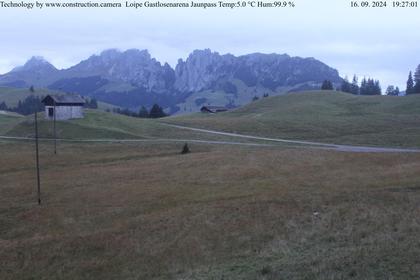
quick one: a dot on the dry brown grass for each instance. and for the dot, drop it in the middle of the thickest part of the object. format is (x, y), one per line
(138, 211)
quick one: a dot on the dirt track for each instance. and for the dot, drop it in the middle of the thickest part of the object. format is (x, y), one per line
(318, 145)
(307, 144)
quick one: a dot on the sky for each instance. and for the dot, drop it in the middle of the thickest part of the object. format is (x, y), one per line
(373, 42)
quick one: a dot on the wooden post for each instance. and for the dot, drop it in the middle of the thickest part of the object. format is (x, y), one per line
(37, 158)
(55, 132)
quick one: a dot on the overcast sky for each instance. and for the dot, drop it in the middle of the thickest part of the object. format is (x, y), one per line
(381, 43)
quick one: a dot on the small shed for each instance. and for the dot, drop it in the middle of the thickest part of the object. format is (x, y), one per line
(213, 109)
(64, 107)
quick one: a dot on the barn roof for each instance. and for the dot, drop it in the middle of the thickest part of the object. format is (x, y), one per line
(213, 109)
(216, 107)
(67, 99)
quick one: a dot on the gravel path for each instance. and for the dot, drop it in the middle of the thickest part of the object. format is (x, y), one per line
(318, 145)
(308, 144)
(162, 140)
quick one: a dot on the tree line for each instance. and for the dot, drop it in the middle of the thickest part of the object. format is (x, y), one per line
(372, 87)
(32, 104)
(155, 112)
(367, 86)
(29, 105)
(413, 82)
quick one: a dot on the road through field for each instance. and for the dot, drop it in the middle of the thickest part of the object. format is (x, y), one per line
(318, 145)
(151, 140)
(307, 144)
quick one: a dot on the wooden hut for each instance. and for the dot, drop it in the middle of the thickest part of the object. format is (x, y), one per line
(64, 107)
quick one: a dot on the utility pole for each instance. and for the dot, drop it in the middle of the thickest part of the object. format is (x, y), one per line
(37, 158)
(55, 132)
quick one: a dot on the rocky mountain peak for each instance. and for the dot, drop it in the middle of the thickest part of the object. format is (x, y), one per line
(201, 69)
(204, 69)
(113, 55)
(133, 77)
(109, 54)
(36, 64)
(132, 67)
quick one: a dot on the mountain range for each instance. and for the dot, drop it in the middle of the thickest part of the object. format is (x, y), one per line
(133, 78)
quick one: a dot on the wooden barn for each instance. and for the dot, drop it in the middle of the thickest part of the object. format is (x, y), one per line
(213, 109)
(64, 107)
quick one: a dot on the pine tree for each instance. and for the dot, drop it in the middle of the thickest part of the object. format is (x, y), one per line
(417, 80)
(377, 90)
(370, 87)
(157, 112)
(93, 103)
(143, 113)
(410, 84)
(327, 85)
(29, 105)
(18, 106)
(391, 90)
(346, 86)
(363, 87)
(3, 106)
(354, 88)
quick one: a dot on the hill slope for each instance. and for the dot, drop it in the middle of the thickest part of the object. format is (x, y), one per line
(99, 125)
(331, 117)
(8, 121)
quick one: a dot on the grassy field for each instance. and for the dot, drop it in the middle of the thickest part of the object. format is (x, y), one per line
(11, 96)
(143, 211)
(330, 117)
(102, 125)
(8, 121)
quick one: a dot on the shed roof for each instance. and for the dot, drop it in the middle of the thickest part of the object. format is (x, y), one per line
(69, 99)
(213, 109)
(216, 107)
